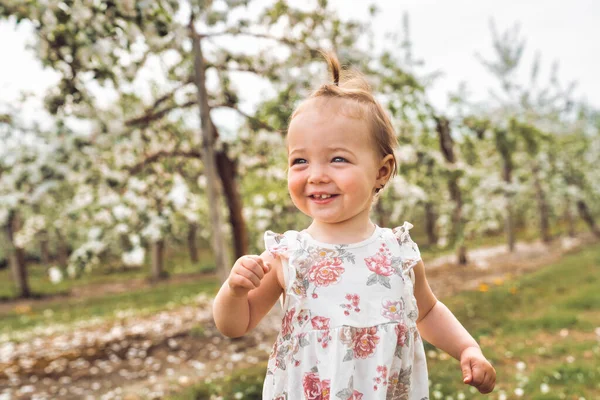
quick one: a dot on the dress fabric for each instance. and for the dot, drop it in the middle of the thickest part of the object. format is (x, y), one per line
(349, 326)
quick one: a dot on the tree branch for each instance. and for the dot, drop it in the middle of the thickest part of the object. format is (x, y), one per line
(254, 120)
(287, 41)
(137, 168)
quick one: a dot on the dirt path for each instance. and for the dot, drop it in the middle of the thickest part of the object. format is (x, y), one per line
(147, 357)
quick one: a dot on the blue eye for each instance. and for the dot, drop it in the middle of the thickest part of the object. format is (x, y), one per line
(298, 161)
(339, 159)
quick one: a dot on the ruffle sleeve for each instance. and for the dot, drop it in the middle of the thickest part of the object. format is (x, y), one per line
(409, 251)
(277, 244)
(280, 246)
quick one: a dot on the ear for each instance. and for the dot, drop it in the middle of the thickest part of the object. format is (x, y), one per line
(386, 167)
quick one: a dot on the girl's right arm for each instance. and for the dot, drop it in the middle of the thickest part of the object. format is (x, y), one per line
(253, 287)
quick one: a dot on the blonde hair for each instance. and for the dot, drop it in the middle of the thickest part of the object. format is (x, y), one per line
(352, 85)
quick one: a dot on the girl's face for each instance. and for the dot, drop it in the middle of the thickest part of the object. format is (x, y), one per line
(334, 168)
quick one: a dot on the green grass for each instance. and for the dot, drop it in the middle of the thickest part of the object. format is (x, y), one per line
(522, 322)
(158, 297)
(525, 325)
(246, 383)
(177, 262)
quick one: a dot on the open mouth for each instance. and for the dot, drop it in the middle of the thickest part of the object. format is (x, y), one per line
(322, 198)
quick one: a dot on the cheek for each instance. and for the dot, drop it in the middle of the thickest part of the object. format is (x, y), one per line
(355, 183)
(295, 183)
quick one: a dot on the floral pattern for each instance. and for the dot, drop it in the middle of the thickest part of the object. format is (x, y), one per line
(383, 265)
(347, 307)
(313, 387)
(393, 310)
(352, 303)
(326, 272)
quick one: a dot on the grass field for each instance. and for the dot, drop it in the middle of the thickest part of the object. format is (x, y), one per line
(541, 332)
(177, 262)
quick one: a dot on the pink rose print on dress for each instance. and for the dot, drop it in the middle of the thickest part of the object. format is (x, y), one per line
(402, 338)
(312, 386)
(364, 342)
(303, 316)
(325, 389)
(353, 301)
(402, 333)
(361, 341)
(322, 324)
(381, 378)
(325, 272)
(392, 310)
(383, 266)
(286, 324)
(356, 395)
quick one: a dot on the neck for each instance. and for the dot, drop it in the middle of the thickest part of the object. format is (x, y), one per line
(353, 230)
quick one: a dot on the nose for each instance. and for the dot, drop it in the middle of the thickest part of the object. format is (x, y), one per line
(318, 174)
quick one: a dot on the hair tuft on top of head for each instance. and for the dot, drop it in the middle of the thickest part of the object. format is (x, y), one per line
(334, 66)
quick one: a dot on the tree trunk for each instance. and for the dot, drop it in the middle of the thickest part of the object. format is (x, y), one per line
(543, 208)
(44, 249)
(158, 253)
(62, 250)
(509, 225)
(16, 256)
(208, 155)
(430, 220)
(228, 172)
(569, 218)
(584, 213)
(447, 149)
(503, 145)
(192, 247)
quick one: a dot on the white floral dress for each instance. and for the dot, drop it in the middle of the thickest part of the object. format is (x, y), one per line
(349, 327)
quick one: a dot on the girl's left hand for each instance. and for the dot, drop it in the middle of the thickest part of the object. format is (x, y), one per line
(477, 370)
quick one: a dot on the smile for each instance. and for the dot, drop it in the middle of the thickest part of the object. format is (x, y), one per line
(322, 198)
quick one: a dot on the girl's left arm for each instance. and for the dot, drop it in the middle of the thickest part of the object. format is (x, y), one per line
(439, 326)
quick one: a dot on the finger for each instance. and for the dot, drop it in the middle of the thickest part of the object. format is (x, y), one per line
(237, 282)
(264, 266)
(478, 376)
(465, 366)
(485, 386)
(251, 264)
(267, 267)
(488, 383)
(250, 276)
(258, 260)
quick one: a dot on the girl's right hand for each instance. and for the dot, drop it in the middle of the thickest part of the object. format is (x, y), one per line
(246, 274)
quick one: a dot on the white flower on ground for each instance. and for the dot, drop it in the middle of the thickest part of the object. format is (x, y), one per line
(519, 392)
(544, 388)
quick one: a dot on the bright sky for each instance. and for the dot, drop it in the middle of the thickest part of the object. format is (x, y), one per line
(445, 34)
